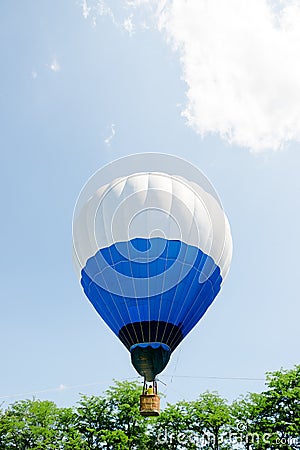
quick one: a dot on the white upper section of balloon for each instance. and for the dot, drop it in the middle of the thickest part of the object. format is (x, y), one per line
(148, 205)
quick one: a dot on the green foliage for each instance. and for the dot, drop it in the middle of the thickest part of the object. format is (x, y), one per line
(124, 398)
(211, 418)
(172, 429)
(271, 420)
(33, 424)
(279, 414)
(283, 403)
(247, 424)
(266, 421)
(92, 417)
(116, 439)
(113, 421)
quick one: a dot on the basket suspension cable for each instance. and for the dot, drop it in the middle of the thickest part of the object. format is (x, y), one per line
(150, 401)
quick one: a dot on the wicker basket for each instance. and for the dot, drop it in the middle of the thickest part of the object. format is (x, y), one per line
(149, 405)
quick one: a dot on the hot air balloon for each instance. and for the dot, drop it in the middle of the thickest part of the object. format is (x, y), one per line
(152, 248)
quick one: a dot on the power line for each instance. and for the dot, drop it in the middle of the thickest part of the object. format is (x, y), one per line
(60, 388)
(213, 378)
(63, 387)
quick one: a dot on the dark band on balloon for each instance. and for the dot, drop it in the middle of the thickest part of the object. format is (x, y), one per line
(153, 331)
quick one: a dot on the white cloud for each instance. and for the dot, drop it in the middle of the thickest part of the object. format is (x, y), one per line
(122, 15)
(34, 74)
(102, 9)
(128, 25)
(240, 60)
(107, 141)
(94, 21)
(85, 9)
(95, 9)
(54, 66)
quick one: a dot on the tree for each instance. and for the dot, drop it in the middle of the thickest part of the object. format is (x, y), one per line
(70, 437)
(35, 424)
(210, 419)
(281, 414)
(93, 416)
(112, 422)
(247, 423)
(123, 399)
(116, 440)
(271, 420)
(266, 421)
(172, 430)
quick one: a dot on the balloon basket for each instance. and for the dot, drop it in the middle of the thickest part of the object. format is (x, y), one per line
(149, 405)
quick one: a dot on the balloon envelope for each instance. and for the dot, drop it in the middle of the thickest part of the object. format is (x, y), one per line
(152, 251)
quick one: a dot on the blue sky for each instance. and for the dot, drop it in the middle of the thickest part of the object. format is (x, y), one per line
(69, 76)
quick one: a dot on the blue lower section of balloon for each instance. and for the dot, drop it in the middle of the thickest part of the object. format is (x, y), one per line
(153, 345)
(151, 281)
